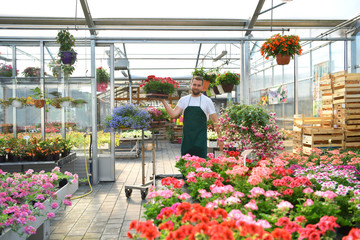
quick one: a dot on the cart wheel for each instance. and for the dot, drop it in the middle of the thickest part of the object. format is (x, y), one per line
(144, 194)
(128, 192)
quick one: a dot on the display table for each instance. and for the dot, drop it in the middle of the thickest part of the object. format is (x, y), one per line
(61, 162)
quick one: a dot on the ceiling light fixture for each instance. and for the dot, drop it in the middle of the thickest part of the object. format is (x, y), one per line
(223, 53)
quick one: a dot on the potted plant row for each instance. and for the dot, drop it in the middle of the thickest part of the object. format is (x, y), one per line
(34, 149)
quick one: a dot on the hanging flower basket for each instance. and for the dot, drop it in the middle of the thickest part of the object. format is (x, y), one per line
(282, 60)
(206, 84)
(39, 103)
(68, 57)
(227, 87)
(101, 87)
(17, 104)
(281, 45)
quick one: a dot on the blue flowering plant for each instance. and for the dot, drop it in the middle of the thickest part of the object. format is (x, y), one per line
(128, 116)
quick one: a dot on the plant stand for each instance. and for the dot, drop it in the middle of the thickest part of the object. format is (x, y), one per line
(144, 187)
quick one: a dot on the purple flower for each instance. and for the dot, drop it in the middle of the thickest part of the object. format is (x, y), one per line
(29, 230)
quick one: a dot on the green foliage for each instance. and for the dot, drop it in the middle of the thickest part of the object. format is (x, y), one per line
(66, 41)
(160, 87)
(248, 115)
(102, 76)
(228, 78)
(209, 75)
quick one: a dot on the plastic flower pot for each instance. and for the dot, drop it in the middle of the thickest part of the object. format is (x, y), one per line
(65, 104)
(17, 104)
(227, 87)
(39, 103)
(68, 57)
(206, 84)
(282, 60)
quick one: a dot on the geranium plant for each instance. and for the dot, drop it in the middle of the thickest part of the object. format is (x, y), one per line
(228, 78)
(31, 72)
(102, 76)
(6, 70)
(127, 116)
(159, 85)
(281, 44)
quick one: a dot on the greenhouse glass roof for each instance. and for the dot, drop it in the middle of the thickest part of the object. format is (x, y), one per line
(171, 38)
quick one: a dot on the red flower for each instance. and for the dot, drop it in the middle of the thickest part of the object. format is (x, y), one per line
(280, 234)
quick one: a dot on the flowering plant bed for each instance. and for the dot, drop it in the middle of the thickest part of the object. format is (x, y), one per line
(29, 199)
(287, 197)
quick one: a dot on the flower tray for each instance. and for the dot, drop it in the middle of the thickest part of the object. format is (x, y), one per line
(157, 96)
(42, 224)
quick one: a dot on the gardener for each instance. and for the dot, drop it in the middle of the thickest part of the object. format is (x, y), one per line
(196, 108)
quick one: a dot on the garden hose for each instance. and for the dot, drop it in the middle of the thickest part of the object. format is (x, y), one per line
(87, 173)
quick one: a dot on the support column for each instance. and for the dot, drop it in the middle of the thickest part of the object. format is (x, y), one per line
(296, 84)
(245, 73)
(42, 88)
(95, 162)
(14, 84)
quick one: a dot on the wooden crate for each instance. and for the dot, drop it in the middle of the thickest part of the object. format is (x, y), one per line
(352, 89)
(316, 137)
(300, 121)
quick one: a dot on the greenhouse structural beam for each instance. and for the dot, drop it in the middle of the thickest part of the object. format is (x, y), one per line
(87, 14)
(166, 22)
(255, 17)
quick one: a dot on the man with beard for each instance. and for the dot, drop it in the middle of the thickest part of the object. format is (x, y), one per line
(196, 108)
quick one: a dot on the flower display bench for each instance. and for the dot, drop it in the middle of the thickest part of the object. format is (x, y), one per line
(42, 224)
(61, 162)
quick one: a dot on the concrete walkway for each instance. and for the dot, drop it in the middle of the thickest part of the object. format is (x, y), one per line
(106, 213)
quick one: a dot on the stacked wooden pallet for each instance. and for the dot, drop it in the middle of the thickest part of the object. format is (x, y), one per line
(346, 102)
(322, 137)
(305, 126)
(326, 88)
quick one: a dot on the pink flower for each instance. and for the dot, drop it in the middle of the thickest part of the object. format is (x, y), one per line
(29, 230)
(39, 205)
(54, 205)
(50, 215)
(252, 205)
(308, 202)
(184, 196)
(284, 205)
(40, 197)
(67, 202)
(308, 190)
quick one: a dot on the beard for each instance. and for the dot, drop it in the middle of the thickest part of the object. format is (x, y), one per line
(195, 92)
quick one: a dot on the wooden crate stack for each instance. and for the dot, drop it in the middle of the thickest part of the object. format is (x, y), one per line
(304, 126)
(322, 137)
(346, 102)
(326, 88)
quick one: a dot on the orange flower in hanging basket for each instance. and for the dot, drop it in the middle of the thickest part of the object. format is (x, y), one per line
(281, 45)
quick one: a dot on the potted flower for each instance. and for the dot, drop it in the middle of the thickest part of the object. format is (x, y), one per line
(32, 72)
(6, 70)
(102, 78)
(39, 97)
(227, 80)
(128, 116)
(212, 138)
(282, 47)
(157, 87)
(18, 102)
(208, 76)
(66, 51)
(60, 102)
(78, 102)
(55, 67)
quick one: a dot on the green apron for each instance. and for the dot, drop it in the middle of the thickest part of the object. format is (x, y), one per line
(194, 131)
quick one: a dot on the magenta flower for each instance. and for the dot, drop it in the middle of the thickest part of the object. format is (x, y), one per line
(50, 215)
(67, 202)
(29, 230)
(54, 205)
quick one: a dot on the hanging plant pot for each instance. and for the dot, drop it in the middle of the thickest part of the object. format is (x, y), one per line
(39, 103)
(221, 90)
(68, 57)
(16, 103)
(206, 84)
(65, 104)
(216, 90)
(282, 60)
(101, 87)
(227, 87)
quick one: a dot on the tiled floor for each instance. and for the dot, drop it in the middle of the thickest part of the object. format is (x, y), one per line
(106, 213)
